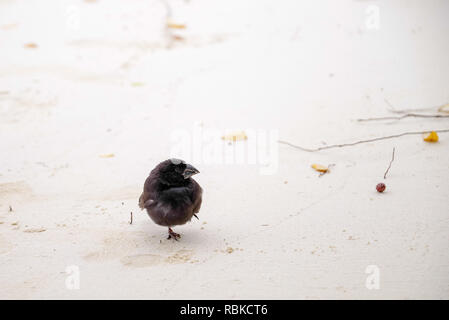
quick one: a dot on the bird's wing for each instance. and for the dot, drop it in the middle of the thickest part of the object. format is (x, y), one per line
(197, 205)
(197, 197)
(144, 201)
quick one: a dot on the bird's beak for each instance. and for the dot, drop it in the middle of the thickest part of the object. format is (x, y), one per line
(189, 171)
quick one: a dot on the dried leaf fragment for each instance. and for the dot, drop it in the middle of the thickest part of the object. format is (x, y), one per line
(235, 136)
(320, 168)
(9, 26)
(173, 25)
(30, 45)
(178, 38)
(108, 155)
(444, 108)
(432, 137)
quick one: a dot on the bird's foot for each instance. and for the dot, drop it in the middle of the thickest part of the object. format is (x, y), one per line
(172, 234)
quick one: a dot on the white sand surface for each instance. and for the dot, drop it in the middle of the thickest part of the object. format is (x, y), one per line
(108, 78)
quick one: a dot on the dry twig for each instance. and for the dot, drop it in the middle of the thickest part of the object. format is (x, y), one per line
(392, 109)
(388, 169)
(358, 142)
(407, 115)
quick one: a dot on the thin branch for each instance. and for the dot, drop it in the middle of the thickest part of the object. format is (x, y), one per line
(388, 169)
(358, 142)
(407, 115)
(131, 221)
(392, 109)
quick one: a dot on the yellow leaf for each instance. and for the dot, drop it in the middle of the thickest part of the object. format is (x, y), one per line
(319, 167)
(235, 136)
(109, 155)
(432, 137)
(137, 84)
(173, 25)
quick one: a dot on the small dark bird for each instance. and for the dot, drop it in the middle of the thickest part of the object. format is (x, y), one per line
(170, 195)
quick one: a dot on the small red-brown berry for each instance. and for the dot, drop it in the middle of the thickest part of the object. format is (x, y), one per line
(380, 187)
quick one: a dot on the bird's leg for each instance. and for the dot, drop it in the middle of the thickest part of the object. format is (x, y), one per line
(196, 216)
(172, 234)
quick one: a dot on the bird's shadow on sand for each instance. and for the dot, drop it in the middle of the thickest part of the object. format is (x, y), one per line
(148, 245)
